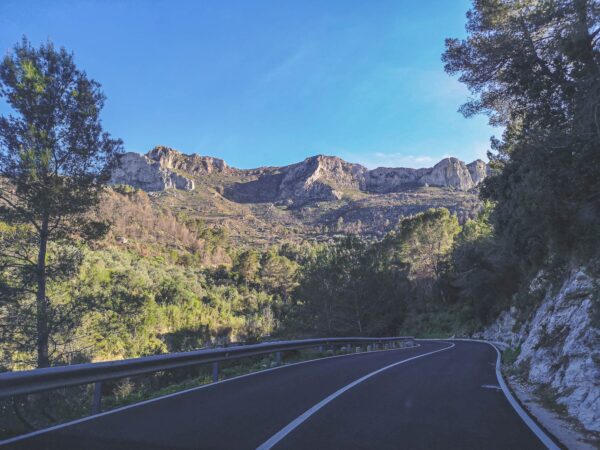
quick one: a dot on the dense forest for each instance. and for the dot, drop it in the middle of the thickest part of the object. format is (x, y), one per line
(159, 283)
(90, 272)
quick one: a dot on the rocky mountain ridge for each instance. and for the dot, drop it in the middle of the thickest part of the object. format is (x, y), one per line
(315, 199)
(317, 178)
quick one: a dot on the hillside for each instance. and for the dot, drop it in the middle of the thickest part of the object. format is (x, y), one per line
(315, 199)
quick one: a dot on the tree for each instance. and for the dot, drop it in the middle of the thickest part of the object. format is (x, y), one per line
(534, 67)
(54, 159)
(247, 265)
(332, 289)
(423, 242)
(278, 274)
(420, 250)
(482, 270)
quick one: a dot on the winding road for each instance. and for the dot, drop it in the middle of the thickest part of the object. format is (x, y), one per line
(439, 395)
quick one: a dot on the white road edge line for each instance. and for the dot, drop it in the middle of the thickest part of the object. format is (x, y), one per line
(185, 391)
(533, 426)
(274, 440)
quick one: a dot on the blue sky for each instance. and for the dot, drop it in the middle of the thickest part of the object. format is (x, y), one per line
(268, 82)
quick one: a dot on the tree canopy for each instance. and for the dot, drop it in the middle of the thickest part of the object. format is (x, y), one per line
(534, 67)
(54, 161)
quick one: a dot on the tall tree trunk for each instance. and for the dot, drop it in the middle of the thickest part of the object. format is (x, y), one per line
(43, 333)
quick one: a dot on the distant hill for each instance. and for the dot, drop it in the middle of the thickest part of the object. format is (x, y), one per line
(313, 199)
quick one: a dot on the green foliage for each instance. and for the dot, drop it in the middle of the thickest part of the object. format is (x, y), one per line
(247, 265)
(356, 287)
(213, 237)
(423, 242)
(535, 68)
(484, 274)
(141, 306)
(54, 158)
(332, 291)
(278, 274)
(510, 355)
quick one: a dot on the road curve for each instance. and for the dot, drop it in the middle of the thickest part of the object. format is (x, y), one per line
(429, 397)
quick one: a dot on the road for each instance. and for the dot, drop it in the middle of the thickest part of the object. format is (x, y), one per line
(439, 395)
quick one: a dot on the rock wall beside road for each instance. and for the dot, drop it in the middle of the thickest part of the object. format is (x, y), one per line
(559, 344)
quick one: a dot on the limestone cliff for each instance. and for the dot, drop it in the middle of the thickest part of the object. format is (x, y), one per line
(559, 344)
(478, 170)
(318, 178)
(148, 174)
(191, 164)
(449, 172)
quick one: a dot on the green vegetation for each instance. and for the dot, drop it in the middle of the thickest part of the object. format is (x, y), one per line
(418, 280)
(534, 68)
(149, 289)
(54, 158)
(170, 275)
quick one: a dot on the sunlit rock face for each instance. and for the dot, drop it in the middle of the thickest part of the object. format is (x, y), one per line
(318, 178)
(142, 172)
(192, 164)
(328, 177)
(384, 179)
(478, 170)
(450, 172)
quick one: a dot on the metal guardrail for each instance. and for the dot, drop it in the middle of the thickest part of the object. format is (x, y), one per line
(38, 380)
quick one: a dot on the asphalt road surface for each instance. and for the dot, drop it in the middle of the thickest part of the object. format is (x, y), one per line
(439, 395)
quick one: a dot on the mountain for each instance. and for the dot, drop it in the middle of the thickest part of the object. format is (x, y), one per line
(318, 178)
(317, 197)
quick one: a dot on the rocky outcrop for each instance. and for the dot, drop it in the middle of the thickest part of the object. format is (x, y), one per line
(449, 172)
(560, 345)
(318, 178)
(163, 168)
(145, 173)
(191, 164)
(478, 170)
(385, 180)
(327, 177)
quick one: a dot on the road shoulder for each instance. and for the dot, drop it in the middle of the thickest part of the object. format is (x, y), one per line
(569, 433)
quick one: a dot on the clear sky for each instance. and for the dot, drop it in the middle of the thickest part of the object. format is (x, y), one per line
(268, 82)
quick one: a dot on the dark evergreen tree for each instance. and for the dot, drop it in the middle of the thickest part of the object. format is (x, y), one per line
(534, 67)
(54, 161)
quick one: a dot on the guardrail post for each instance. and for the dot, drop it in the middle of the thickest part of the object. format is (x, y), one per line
(278, 358)
(97, 400)
(215, 371)
(320, 349)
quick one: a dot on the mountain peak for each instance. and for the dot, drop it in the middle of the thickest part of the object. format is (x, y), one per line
(317, 178)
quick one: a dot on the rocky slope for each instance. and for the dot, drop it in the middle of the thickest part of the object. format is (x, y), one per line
(559, 345)
(148, 174)
(318, 178)
(313, 199)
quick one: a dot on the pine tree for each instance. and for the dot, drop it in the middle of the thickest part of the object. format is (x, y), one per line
(54, 160)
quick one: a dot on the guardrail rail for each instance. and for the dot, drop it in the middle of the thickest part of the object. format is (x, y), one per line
(39, 380)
